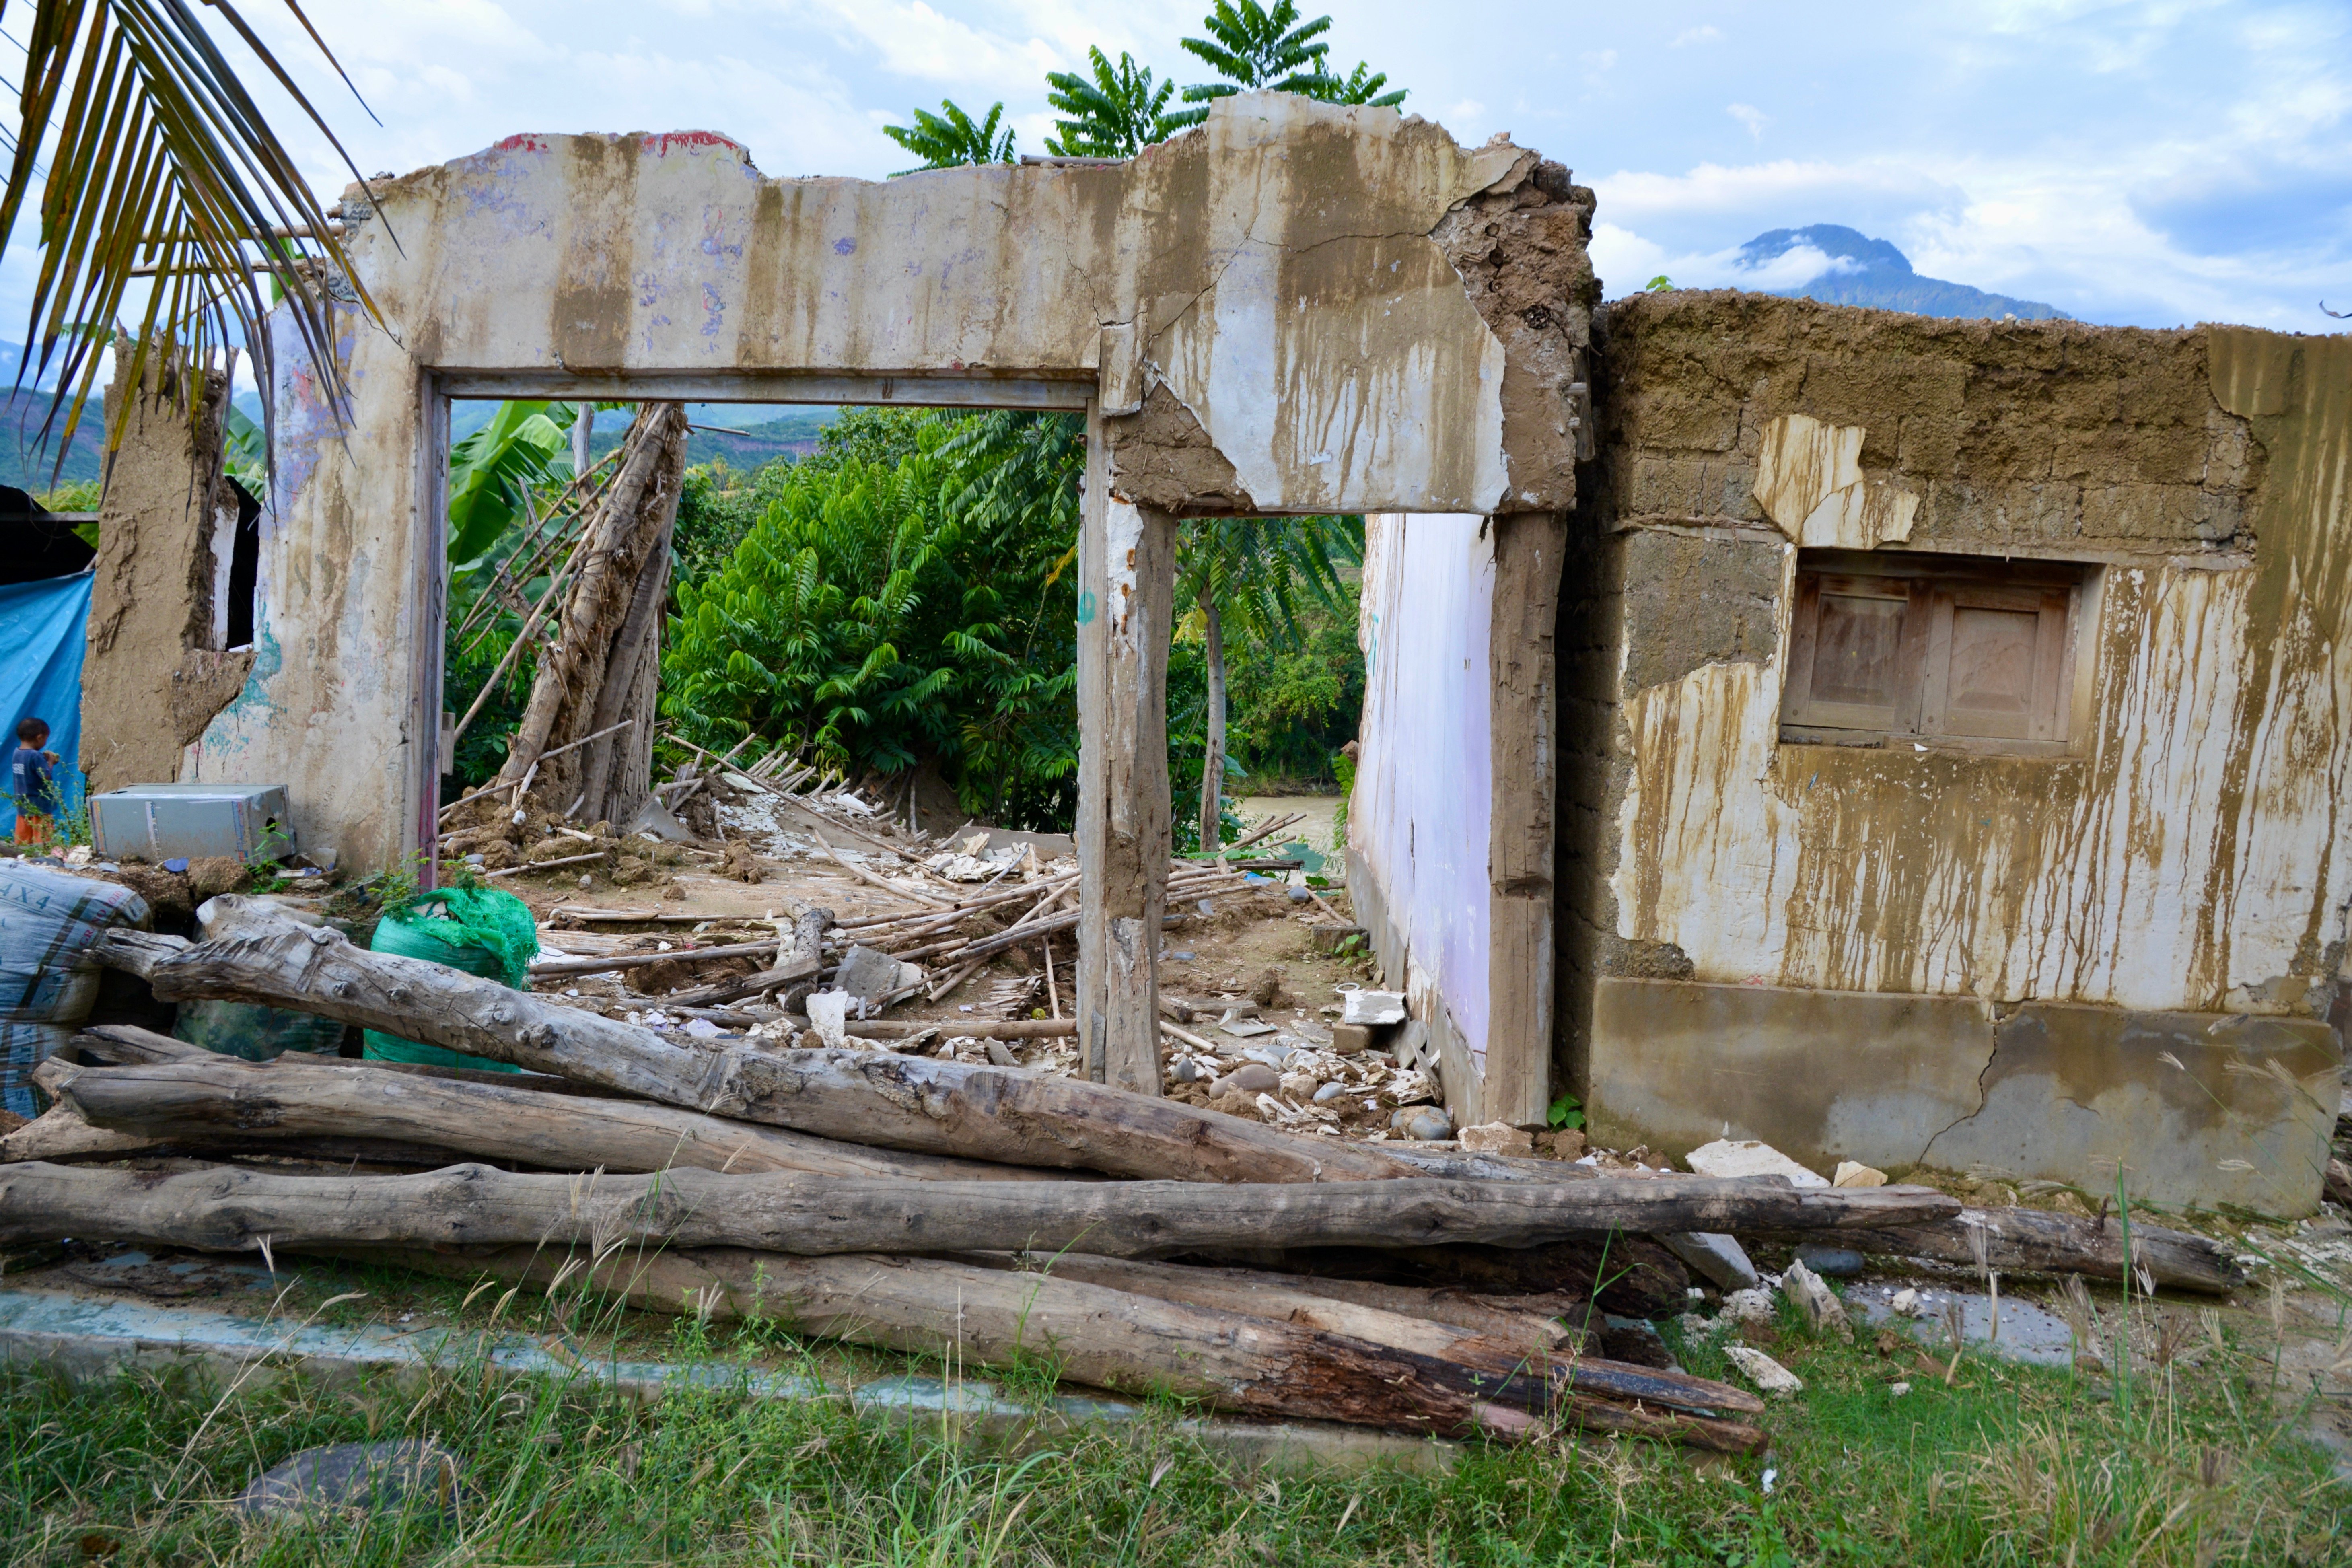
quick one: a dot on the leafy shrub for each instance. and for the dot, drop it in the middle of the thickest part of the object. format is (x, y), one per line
(905, 595)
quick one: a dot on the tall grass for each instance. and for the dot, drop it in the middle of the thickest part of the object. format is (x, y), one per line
(2009, 1466)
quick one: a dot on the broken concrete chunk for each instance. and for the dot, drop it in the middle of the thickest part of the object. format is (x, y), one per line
(1497, 1137)
(1771, 1378)
(1711, 1255)
(1854, 1174)
(869, 974)
(1001, 1055)
(1377, 1008)
(410, 1475)
(1815, 1301)
(1351, 1039)
(828, 1012)
(1247, 1028)
(1300, 1085)
(1748, 1307)
(1731, 1158)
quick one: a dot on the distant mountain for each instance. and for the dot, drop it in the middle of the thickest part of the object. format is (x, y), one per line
(29, 463)
(1866, 271)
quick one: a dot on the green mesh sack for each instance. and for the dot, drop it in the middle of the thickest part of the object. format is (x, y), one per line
(479, 930)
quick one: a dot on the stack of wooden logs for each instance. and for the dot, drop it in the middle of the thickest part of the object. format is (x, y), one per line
(902, 1202)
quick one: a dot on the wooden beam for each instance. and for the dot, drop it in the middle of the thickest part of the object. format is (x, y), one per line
(1524, 748)
(1127, 582)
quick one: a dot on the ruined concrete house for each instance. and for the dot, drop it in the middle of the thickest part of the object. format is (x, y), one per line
(1900, 739)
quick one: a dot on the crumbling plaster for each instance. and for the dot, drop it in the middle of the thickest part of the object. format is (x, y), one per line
(1317, 308)
(151, 678)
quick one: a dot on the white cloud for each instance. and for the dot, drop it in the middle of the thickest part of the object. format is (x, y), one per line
(1689, 35)
(1751, 116)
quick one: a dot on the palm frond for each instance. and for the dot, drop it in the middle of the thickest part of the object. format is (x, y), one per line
(160, 165)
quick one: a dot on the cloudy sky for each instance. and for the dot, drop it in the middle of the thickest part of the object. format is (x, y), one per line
(2150, 162)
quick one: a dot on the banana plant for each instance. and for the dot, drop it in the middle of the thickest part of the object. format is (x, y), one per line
(491, 470)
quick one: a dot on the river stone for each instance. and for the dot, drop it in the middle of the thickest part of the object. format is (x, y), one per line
(1250, 1078)
(1424, 1123)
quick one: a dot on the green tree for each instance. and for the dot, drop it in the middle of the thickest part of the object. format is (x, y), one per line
(1118, 114)
(152, 162)
(1254, 47)
(1254, 574)
(891, 612)
(953, 137)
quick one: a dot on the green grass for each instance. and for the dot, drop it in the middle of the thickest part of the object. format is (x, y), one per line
(2007, 1466)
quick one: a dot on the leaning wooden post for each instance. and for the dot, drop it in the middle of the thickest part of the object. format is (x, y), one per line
(1127, 585)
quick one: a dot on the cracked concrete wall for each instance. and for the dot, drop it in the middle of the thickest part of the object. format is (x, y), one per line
(150, 680)
(2184, 860)
(1298, 308)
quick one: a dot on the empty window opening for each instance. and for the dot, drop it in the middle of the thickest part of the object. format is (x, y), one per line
(236, 571)
(1957, 652)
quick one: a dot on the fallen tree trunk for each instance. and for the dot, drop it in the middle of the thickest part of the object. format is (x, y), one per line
(923, 1104)
(230, 1210)
(1109, 1339)
(973, 1028)
(186, 1103)
(2037, 1241)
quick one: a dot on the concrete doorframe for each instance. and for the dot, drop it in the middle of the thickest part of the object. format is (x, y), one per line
(1297, 309)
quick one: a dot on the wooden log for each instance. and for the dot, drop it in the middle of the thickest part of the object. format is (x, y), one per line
(802, 960)
(1298, 1302)
(2037, 1241)
(187, 1101)
(59, 1134)
(1629, 1276)
(784, 1211)
(923, 1104)
(124, 1044)
(1104, 1338)
(589, 966)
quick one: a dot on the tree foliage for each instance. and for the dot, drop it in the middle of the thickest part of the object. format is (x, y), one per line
(1122, 110)
(953, 137)
(886, 613)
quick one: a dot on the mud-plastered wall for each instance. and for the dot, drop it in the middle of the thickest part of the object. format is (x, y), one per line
(153, 675)
(2183, 857)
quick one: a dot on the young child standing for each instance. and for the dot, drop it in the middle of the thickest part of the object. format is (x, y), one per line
(33, 780)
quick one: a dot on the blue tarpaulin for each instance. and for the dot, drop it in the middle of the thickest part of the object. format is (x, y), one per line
(41, 630)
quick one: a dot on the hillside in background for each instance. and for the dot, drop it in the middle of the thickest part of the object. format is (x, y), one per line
(27, 462)
(1867, 271)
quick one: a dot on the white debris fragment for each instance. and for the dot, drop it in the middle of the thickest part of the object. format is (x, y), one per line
(1727, 1158)
(1771, 1378)
(1854, 1173)
(1748, 1307)
(1906, 1302)
(828, 1012)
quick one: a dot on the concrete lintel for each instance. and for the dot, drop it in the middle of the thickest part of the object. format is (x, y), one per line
(84, 1337)
(916, 390)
